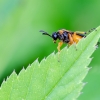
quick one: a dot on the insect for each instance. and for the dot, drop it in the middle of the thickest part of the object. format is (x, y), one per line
(66, 36)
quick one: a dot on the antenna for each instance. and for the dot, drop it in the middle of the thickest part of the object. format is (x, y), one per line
(45, 33)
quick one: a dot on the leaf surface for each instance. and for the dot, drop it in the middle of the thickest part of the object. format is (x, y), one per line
(50, 79)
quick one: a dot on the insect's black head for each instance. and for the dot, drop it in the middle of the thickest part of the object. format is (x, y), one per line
(55, 36)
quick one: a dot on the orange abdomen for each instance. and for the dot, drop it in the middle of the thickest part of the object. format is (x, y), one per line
(76, 38)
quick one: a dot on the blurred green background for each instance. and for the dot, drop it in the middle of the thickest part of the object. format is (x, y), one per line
(21, 42)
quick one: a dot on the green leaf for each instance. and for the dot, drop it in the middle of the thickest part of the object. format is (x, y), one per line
(50, 79)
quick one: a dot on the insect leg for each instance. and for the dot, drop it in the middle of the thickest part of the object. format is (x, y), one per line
(75, 46)
(59, 45)
(98, 44)
(82, 35)
(91, 30)
(71, 40)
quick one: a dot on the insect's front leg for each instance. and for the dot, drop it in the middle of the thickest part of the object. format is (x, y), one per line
(59, 45)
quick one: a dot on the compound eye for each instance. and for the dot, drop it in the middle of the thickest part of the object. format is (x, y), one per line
(54, 36)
